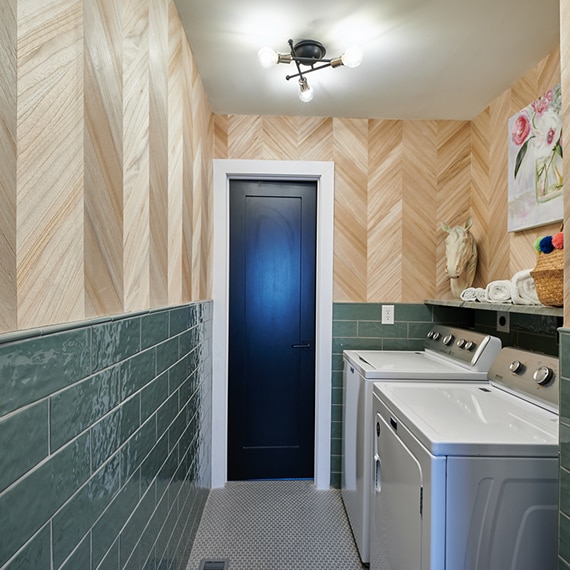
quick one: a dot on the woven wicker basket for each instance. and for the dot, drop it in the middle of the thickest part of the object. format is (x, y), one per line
(548, 278)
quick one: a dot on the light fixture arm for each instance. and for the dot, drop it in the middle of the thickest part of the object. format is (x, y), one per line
(301, 73)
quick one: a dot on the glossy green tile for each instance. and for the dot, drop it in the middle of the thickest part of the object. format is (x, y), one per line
(379, 330)
(115, 341)
(131, 533)
(81, 558)
(152, 464)
(344, 343)
(34, 368)
(154, 328)
(76, 518)
(565, 491)
(357, 311)
(27, 506)
(564, 537)
(36, 554)
(178, 374)
(137, 448)
(345, 328)
(402, 344)
(418, 330)
(153, 395)
(564, 434)
(179, 320)
(111, 560)
(166, 354)
(166, 414)
(137, 372)
(413, 312)
(107, 528)
(78, 407)
(565, 353)
(23, 441)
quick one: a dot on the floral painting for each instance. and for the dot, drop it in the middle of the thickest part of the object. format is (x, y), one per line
(535, 163)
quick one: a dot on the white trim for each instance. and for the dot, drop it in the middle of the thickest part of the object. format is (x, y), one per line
(323, 173)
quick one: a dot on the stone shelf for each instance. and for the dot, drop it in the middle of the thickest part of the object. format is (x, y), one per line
(502, 307)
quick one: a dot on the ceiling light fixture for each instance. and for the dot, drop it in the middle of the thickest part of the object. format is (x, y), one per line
(308, 53)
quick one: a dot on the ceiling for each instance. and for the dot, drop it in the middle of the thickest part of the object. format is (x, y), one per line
(423, 59)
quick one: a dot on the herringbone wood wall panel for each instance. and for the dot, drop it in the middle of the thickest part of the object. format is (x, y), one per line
(8, 180)
(106, 137)
(395, 181)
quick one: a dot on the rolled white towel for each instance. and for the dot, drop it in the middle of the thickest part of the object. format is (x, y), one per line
(499, 291)
(481, 294)
(473, 294)
(468, 294)
(524, 289)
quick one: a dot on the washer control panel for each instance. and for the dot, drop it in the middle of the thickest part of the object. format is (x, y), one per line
(471, 348)
(531, 375)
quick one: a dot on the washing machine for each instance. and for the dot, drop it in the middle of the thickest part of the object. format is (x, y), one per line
(466, 475)
(449, 353)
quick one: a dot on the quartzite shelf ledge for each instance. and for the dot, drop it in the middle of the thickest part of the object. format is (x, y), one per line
(503, 307)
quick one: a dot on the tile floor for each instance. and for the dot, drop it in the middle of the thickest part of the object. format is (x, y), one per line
(275, 525)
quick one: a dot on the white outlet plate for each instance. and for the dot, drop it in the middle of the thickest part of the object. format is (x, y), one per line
(387, 314)
(503, 322)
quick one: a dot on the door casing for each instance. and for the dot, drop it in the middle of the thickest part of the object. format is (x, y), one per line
(323, 173)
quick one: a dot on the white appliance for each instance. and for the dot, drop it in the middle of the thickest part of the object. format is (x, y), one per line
(449, 354)
(466, 475)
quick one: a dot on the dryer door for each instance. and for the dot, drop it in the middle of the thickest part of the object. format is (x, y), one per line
(397, 517)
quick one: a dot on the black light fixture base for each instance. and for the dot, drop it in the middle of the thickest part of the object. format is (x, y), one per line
(308, 52)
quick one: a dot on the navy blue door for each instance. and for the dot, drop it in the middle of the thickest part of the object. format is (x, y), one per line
(271, 400)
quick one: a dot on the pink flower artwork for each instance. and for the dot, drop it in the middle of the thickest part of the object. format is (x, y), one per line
(535, 163)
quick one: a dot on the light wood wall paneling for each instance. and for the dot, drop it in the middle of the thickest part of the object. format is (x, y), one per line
(191, 165)
(158, 151)
(221, 136)
(480, 193)
(314, 138)
(498, 248)
(136, 230)
(202, 230)
(175, 155)
(385, 208)
(565, 79)
(453, 190)
(350, 156)
(419, 193)
(245, 136)
(103, 182)
(50, 270)
(8, 180)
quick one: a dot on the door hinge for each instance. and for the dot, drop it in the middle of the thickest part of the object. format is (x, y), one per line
(421, 501)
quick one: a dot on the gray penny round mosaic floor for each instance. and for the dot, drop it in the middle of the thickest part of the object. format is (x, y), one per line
(275, 525)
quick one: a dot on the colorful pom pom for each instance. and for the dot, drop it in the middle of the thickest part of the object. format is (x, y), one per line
(558, 240)
(546, 244)
(537, 244)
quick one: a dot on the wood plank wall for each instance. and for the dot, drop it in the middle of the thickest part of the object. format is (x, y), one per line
(396, 180)
(106, 143)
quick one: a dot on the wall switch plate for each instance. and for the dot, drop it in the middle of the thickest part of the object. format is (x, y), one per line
(503, 322)
(387, 314)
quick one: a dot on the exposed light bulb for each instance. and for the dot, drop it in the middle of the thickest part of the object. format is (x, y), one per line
(305, 90)
(267, 57)
(352, 57)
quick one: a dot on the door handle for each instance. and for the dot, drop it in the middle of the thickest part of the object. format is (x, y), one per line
(302, 345)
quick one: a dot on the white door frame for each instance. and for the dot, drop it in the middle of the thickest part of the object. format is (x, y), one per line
(323, 174)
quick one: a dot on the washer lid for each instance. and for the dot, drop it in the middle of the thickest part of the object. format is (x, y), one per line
(408, 365)
(471, 419)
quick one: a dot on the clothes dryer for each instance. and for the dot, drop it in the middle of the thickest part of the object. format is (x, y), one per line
(466, 475)
(450, 354)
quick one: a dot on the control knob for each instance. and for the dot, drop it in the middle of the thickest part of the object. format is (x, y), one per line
(460, 343)
(448, 339)
(469, 345)
(435, 336)
(516, 366)
(430, 334)
(543, 375)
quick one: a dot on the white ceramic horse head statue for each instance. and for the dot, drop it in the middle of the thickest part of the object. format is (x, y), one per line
(461, 253)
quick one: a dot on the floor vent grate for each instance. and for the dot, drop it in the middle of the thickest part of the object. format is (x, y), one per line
(217, 564)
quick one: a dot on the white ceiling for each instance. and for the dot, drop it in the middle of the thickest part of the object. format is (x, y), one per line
(423, 59)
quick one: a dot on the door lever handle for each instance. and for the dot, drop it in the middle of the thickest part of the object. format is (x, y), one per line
(302, 345)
